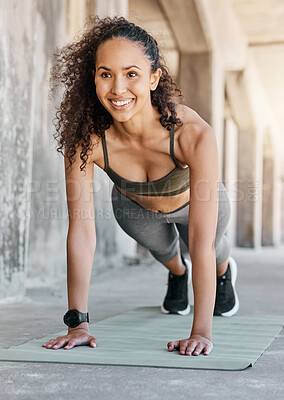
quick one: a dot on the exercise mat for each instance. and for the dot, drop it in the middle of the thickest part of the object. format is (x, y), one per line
(140, 337)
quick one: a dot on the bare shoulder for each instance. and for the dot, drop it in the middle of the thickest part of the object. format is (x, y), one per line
(192, 122)
(195, 134)
(94, 152)
(93, 155)
(97, 149)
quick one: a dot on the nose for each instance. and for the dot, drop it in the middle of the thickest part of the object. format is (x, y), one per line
(118, 86)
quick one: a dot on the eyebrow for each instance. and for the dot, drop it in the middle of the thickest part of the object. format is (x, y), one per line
(124, 68)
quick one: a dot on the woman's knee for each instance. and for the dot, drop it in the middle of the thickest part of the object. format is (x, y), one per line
(223, 250)
(224, 203)
(164, 255)
(224, 213)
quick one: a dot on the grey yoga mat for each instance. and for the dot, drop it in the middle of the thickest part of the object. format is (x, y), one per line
(140, 337)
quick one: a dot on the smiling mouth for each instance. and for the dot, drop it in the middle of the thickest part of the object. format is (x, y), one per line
(121, 104)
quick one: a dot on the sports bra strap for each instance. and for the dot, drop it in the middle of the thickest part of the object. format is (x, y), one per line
(105, 152)
(172, 146)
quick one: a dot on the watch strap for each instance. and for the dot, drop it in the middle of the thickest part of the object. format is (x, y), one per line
(83, 317)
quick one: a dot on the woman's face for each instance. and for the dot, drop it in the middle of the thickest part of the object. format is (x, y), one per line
(123, 78)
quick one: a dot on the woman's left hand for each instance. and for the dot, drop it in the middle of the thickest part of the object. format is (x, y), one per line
(194, 345)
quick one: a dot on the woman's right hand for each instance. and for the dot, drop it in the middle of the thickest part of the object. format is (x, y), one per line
(76, 337)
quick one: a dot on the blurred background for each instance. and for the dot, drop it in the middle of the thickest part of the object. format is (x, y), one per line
(227, 57)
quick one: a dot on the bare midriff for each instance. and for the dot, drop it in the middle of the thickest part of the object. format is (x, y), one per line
(158, 204)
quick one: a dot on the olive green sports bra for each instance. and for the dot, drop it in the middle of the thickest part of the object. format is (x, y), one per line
(175, 182)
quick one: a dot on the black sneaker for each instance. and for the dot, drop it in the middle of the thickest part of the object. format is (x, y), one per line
(176, 300)
(227, 302)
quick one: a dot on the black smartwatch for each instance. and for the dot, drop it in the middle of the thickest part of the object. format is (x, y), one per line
(74, 317)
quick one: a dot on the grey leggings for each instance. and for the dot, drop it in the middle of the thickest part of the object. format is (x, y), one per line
(159, 232)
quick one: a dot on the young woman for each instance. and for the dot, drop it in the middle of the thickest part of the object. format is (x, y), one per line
(119, 112)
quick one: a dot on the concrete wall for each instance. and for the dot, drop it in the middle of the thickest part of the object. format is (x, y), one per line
(16, 124)
(48, 222)
(33, 216)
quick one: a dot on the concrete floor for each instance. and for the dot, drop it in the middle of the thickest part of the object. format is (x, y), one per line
(260, 287)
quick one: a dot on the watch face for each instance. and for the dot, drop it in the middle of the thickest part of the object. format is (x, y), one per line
(71, 319)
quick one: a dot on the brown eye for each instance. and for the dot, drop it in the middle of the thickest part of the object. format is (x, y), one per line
(132, 74)
(105, 75)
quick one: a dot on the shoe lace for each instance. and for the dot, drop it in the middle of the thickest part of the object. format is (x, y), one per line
(222, 287)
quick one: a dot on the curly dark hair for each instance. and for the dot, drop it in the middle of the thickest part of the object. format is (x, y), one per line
(81, 114)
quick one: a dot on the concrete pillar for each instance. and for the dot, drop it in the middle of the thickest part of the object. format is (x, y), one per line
(278, 213)
(254, 117)
(17, 107)
(249, 190)
(282, 209)
(230, 173)
(267, 234)
(201, 80)
(195, 81)
(77, 12)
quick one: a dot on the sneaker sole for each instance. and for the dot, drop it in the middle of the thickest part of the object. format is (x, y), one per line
(234, 269)
(183, 312)
(187, 310)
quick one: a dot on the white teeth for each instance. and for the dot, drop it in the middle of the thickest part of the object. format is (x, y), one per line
(120, 103)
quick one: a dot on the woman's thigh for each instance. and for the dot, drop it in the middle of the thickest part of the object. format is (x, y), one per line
(224, 211)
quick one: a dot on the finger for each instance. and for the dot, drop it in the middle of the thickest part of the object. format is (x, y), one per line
(173, 345)
(207, 349)
(50, 343)
(198, 349)
(55, 341)
(93, 341)
(187, 347)
(60, 343)
(70, 344)
(47, 343)
(190, 348)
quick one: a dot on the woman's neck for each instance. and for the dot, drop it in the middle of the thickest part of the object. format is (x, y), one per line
(138, 128)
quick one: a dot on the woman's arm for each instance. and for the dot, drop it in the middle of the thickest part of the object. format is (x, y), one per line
(81, 244)
(200, 151)
(203, 212)
(81, 238)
